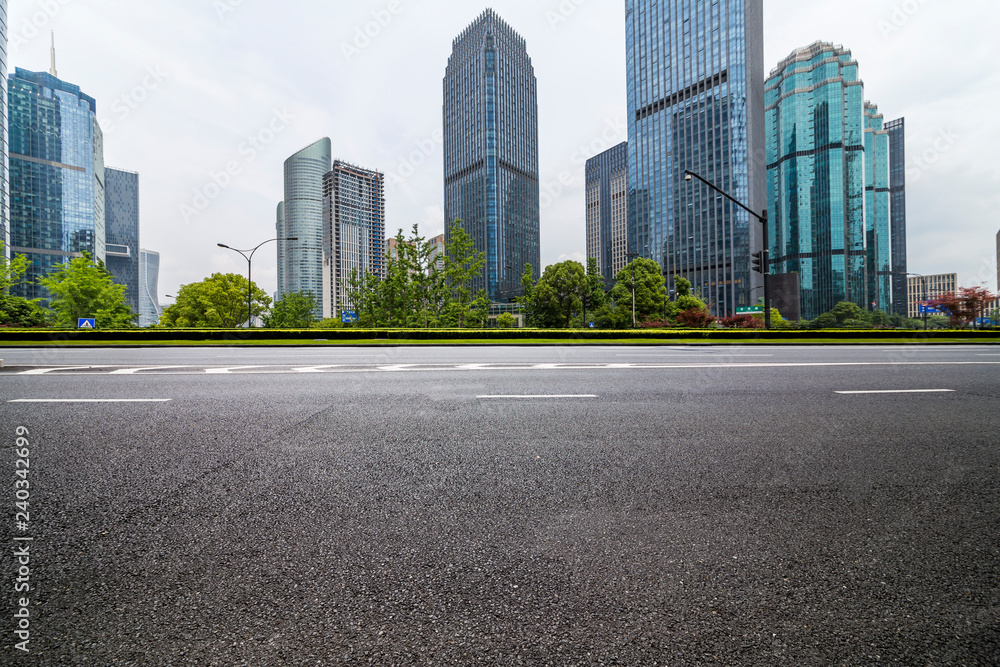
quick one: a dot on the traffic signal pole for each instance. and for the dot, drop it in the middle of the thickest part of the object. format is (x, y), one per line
(762, 259)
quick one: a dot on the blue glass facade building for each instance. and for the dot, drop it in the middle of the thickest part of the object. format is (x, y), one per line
(149, 277)
(695, 102)
(816, 175)
(56, 174)
(4, 169)
(877, 217)
(607, 210)
(121, 198)
(301, 262)
(897, 214)
(829, 184)
(491, 151)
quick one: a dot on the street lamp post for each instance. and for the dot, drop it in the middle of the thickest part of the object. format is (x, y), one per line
(765, 254)
(249, 259)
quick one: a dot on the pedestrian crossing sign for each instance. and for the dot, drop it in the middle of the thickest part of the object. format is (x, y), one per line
(86, 323)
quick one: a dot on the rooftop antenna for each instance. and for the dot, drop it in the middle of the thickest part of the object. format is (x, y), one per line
(53, 70)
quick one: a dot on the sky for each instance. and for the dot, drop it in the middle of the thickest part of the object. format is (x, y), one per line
(205, 99)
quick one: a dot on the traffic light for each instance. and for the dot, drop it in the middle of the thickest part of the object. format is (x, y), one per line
(760, 261)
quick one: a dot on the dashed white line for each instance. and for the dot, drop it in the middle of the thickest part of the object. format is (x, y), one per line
(900, 391)
(539, 396)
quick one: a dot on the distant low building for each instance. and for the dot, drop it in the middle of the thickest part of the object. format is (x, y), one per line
(925, 288)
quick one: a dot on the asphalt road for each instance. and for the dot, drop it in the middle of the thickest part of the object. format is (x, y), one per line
(505, 506)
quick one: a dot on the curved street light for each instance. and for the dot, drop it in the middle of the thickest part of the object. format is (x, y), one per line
(249, 259)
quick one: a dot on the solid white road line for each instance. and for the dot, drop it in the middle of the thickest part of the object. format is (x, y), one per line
(92, 400)
(543, 396)
(901, 391)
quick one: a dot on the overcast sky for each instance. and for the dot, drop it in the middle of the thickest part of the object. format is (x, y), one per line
(207, 98)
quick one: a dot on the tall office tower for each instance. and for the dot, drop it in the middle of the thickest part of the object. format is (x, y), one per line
(607, 211)
(301, 268)
(56, 175)
(121, 211)
(149, 278)
(815, 118)
(4, 170)
(491, 152)
(897, 213)
(877, 220)
(695, 102)
(279, 228)
(353, 231)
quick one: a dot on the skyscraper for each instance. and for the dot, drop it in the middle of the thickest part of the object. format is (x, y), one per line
(121, 193)
(607, 210)
(353, 231)
(149, 277)
(301, 268)
(897, 213)
(491, 151)
(4, 169)
(56, 174)
(816, 175)
(877, 222)
(695, 102)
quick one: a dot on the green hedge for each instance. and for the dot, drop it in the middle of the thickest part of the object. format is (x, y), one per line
(140, 336)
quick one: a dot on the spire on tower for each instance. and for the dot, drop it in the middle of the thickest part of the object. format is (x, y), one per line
(53, 51)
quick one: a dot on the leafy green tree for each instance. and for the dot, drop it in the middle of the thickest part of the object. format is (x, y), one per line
(81, 288)
(295, 310)
(846, 312)
(527, 301)
(560, 291)
(650, 297)
(461, 265)
(506, 321)
(824, 321)
(16, 310)
(595, 297)
(219, 301)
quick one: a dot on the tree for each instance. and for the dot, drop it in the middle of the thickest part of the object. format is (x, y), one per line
(965, 307)
(81, 288)
(295, 310)
(847, 312)
(216, 302)
(461, 265)
(506, 321)
(595, 298)
(560, 291)
(650, 297)
(16, 310)
(527, 302)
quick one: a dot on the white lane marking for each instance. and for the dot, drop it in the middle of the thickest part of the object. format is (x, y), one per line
(92, 400)
(45, 371)
(544, 396)
(314, 369)
(133, 371)
(290, 369)
(721, 354)
(900, 391)
(230, 369)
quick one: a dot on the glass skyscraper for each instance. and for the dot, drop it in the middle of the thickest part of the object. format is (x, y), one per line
(829, 183)
(4, 169)
(301, 262)
(353, 231)
(695, 102)
(121, 194)
(491, 151)
(816, 175)
(56, 175)
(149, 277)
(897, 213)
(607, 211)
(877, 219)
